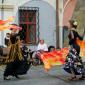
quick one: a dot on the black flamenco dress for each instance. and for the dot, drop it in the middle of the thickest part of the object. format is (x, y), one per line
(73, 61)
(18, 63)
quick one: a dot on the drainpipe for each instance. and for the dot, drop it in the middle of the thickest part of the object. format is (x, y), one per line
(57, 25)
(60, 23)
(2, 17)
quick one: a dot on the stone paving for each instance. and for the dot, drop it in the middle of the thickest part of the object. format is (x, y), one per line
(37, 76)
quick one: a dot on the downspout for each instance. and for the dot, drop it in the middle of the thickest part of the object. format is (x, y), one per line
(60, 23)
(2, 17)
(57, 25)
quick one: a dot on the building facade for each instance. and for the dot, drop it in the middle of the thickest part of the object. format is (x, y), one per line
(41, 19)
(37, 18)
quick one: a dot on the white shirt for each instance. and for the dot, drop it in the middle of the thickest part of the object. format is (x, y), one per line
(42, 47)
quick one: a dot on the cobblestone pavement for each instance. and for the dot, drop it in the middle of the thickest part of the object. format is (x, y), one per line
(37, 76)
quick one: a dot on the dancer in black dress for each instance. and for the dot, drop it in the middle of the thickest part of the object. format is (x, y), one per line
(17, 59)
(74, 63)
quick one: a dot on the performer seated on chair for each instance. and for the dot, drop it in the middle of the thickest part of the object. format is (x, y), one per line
(42, 47)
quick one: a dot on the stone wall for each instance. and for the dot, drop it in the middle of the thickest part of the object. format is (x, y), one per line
(79, 15)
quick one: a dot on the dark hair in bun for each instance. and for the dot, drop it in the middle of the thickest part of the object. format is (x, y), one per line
(73, 23)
